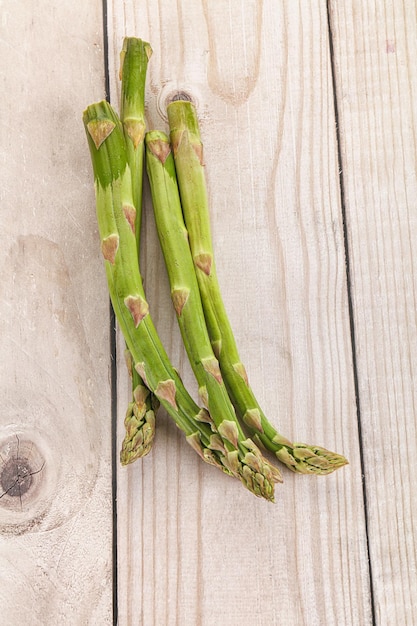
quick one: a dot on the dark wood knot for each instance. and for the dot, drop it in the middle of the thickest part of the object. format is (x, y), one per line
(181, 95)
(20, 470)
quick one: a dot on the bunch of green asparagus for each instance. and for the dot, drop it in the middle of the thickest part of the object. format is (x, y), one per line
(230, 429)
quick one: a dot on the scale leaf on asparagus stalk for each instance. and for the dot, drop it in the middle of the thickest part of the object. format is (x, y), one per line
(134, 57)
(240, 454)
(188, 154)
(114, 207)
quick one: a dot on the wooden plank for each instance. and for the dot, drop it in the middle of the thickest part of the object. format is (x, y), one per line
(375, 50)
(194, 547)
(56, 513)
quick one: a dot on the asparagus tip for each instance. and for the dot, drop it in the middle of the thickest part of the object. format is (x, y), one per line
(140, 428)
(304, 459)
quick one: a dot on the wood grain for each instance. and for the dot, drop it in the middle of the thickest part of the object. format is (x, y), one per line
(282, 104)
(55, 526)
(194, 547)
(375, 48)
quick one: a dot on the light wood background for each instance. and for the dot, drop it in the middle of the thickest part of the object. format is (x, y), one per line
(308, 116)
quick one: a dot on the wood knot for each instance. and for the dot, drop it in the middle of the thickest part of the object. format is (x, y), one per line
(20, 472)
(181, 95)
(16, 477)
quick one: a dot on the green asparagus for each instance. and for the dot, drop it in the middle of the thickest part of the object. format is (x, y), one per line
(240, 454)
(134, 57)
(188, 154)
(114, 205)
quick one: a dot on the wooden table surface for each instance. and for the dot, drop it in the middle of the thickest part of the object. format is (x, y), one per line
(308, 117)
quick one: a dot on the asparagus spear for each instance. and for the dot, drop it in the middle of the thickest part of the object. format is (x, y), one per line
(188, 155)
(240, 454)
(115, 210)
(134, 57)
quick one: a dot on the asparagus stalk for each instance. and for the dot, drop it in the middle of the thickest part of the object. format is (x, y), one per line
(188, 154)
(115, 213)
(134, 57)
(240, 454)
